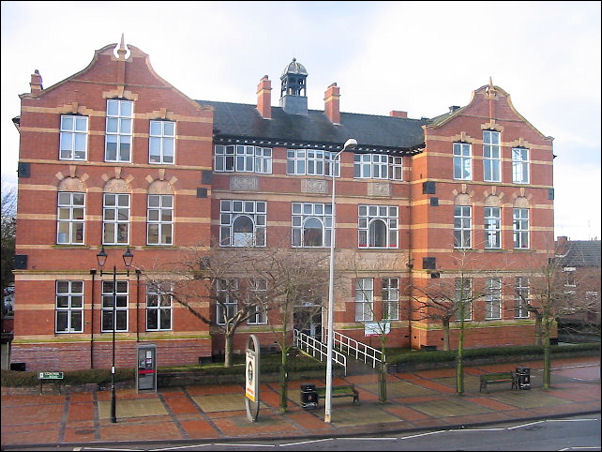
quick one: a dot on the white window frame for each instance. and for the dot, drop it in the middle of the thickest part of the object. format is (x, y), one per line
(463, 295)
(370, 166)
(492, 158)
(72, 305)
(71, 215)
(462, 227)
(240, 158)
(390, 298)
(121, 307)
(233, 209)
(520, 166)
(395, 168)
(160, 304)
(120, 127)
(116, 215)
(520, 303)
(311, 162)
(230, 303)
(301, 214)
(364, 299)
(159, 216)
(520, 222)
(257, 291)
(493, 299)
(462, 167)
(71, 146)
(165, 141)
(493, 228)
(368, 215)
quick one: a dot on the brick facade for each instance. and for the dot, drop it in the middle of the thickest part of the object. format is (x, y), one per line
(424, 194)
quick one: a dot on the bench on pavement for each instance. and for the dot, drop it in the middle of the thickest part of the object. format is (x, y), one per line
(498, 377)
(341, 391)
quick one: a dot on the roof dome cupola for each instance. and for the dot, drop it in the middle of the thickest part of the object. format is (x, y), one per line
(293, 97)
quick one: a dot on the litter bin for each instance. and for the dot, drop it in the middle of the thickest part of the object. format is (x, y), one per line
(309, 396)
(523, 375)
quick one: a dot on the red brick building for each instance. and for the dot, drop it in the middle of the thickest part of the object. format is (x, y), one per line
(116, 157)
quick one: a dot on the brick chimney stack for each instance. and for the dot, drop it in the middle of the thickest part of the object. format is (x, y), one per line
(331, 103)
(264, 98)
(36, 82)
(398, 114)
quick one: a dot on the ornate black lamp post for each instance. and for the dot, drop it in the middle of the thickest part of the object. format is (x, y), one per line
(101, 257)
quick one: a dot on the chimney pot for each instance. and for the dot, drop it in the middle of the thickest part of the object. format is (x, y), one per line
(35, 83)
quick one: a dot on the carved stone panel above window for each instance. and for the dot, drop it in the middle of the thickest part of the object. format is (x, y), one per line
(379, 189)
(244, 183)
(314, 186)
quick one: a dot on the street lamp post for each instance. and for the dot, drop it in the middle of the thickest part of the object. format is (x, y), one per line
(349, 144)
(101, 257)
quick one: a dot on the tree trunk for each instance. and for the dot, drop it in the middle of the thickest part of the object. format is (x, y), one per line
(227, 350)
(283, 379)
(460, 361)
(445, 334)
(538, 329)
(382, 383)
(546, 355)
(382, 371)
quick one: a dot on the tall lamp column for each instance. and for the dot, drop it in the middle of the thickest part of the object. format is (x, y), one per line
(349, 144)
(101, 257)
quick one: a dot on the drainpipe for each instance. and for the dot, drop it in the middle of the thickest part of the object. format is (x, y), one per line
(93, 273)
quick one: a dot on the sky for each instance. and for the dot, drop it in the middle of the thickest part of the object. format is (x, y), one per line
(419, 57)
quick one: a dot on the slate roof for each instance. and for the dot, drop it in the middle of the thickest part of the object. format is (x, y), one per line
(582, 253)
(373, 133)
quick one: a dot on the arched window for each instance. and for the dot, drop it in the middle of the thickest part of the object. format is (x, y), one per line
(313, 232)
(242, 228)
(377, 234)
(242, 223)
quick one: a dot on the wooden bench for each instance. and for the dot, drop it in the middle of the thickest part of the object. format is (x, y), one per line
(341, 391)
(498, 377)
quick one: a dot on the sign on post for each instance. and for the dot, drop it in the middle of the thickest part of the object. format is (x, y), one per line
(53, 376)
(252, 378)
(377, 328)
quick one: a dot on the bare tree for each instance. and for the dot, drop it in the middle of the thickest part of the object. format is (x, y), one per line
(547, 297)
(451, 301)
(9, 229)
(211, 277)
(293, 277)
(380, 309)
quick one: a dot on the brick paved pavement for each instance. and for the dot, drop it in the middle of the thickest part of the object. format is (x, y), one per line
(416, 400)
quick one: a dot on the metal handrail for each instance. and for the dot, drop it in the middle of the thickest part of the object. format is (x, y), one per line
(360, 350)
(314, 347)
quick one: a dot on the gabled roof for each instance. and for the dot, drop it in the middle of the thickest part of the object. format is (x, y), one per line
(373, 133)
(582, 253)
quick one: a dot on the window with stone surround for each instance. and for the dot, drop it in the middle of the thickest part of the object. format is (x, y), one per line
(119, 131)
(312, 162)
(71, 217)
(69, 313)
(311, 224)
(462, 161)
(162, 142)
(121, 307)
(377, 226)
(242, 223)
(492, 159)
(73, 137)
(243, 159)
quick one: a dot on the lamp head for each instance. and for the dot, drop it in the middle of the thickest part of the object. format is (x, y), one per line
(101, 257)
(128, 257)
(349, 144)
